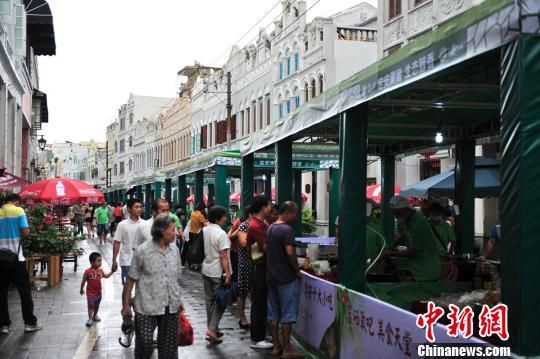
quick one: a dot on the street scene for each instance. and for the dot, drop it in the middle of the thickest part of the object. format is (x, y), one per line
(271, 179)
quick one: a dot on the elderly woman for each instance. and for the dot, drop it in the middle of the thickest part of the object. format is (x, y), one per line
(216, 263)
(155, 269)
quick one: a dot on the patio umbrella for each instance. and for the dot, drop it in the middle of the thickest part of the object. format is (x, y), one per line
(191, 198)
(374, 192)
(487, 182)
(7, 180)
(304, 196)
(62, 191)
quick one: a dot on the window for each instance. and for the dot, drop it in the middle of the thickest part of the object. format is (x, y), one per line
(267, 110)
(280, 109)
(297, 102)
(288, 65)
(204, 137)
(418, 2)
(242, 120)
(130, 141)
(115, 170)
(296, 61)
(321, 85)
(306, 92)
(116, 147)
(248, 120)
(281, 70)
(321, 35)
(306, 46)
(122, 123)
(260, 113)
(122, 146)
(210, 130)
(130, 166)
(394, 9)
(254, 106)
(288, 105)
(131, 116)
(233, 128)
(20, 30)
(313, 89)
(122, 168)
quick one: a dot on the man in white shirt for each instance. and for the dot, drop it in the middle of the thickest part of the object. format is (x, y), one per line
(125, 235)
(216, 263)
(143, 234)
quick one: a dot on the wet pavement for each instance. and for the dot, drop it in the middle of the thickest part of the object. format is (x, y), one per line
(62, 312)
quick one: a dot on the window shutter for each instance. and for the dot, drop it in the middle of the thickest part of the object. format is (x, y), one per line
(288, 66)
(296, 61)
(280, 109)
(281, 70)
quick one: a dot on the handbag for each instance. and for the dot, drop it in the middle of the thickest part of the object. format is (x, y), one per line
(185, 331)
(8, 258)
(195, 254)
(256, 252)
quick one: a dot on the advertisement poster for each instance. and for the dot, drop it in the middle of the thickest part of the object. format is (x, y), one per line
(317, 323)
(374, 329)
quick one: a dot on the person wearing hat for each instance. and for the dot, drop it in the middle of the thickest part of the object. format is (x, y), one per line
(422, 251)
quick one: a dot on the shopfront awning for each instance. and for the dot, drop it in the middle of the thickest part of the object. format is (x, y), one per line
(483, 28)
(39, 106)
(39, 27)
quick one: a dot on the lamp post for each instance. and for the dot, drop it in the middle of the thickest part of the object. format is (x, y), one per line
(41, 143)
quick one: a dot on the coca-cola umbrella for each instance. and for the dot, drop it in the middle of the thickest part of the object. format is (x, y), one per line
(62, 191)
(374, 192)
(191, 198)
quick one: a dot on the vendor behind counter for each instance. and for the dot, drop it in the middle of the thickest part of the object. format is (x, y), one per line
(422, 252)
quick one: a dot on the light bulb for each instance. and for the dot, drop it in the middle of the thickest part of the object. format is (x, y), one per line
(264, 177)
(439, 137)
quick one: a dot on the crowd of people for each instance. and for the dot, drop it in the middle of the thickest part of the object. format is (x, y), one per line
(152, 253)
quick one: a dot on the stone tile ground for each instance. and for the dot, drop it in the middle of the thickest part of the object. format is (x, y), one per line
(62, 312)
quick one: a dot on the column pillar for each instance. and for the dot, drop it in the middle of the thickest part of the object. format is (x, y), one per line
(181, 183)
(247, 172)
(157, 190)
(139, 192)
(212, 192)
(334, 201)
(284, 171)
(199, 187)
(168, 190)
(352, 195)
(147, 200)
(388, 171)
(222, 190)
(518, 205)
(298, 200)
(464, 194)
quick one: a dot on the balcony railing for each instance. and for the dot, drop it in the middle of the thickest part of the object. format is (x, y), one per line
(356, 34)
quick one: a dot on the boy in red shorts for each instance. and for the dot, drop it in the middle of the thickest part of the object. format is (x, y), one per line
(92, 276)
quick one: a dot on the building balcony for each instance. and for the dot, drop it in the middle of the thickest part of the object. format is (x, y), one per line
(350, 33)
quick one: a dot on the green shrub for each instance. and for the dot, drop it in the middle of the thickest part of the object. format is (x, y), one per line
(308, 221)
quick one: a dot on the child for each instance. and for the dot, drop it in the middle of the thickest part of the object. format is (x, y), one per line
(93, 276)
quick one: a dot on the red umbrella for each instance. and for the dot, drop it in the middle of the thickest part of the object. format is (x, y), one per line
(62, 191)
(374, 192)
(191, 198)
(7, 180)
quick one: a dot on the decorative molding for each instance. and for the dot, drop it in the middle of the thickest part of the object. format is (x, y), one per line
(394, 32)
(421, 19)
(449, 7)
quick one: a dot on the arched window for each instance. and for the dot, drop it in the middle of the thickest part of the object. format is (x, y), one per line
(280, 107)
(306, 92)
(116, 170)
(313, 89)
(296, 98)
(115, 146)
(321, 84)
(130, 141)
(288, 102)
(130, 165)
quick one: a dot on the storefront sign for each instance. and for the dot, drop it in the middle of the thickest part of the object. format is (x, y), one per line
(317, 323)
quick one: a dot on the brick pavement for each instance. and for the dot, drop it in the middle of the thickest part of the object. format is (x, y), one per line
(62, 312)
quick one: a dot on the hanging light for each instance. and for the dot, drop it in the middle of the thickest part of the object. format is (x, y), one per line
(264, 177)
(439, 135)
(41, 143)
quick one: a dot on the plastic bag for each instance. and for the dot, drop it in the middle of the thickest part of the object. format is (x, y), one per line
(185, 331)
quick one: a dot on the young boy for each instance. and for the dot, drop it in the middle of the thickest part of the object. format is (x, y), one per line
(93, 276)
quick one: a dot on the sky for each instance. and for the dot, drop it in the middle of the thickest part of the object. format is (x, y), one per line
(107, 49)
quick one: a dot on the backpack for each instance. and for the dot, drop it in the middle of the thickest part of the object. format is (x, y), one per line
(195, 254)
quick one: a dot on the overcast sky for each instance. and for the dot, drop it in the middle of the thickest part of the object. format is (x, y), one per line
(107, 49)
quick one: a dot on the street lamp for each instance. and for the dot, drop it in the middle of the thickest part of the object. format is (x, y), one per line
(41, 143)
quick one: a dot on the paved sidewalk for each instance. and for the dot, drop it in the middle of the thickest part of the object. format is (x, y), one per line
(62, 312)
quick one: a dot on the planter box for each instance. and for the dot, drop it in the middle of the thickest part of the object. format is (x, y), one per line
(54, 269)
